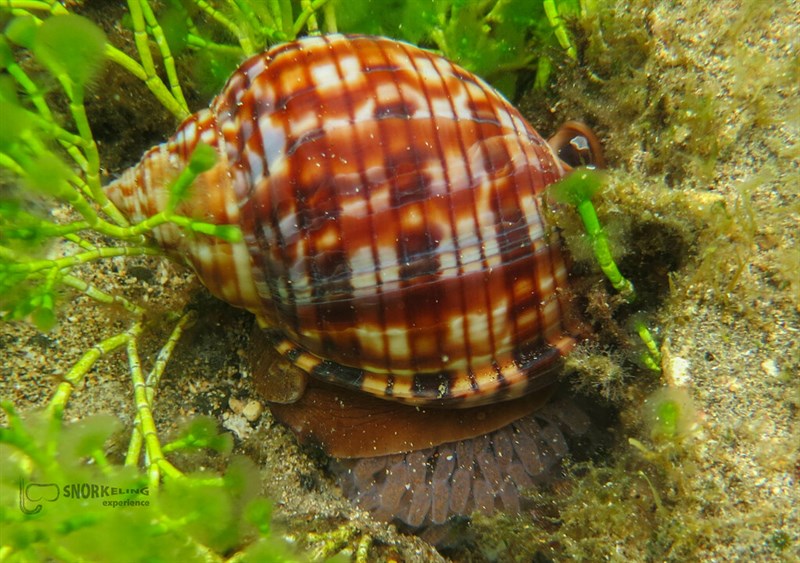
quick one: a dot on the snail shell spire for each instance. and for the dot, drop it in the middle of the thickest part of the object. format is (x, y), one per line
(390, 206)
(144, 190)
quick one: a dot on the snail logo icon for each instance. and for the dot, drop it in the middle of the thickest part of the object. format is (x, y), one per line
(31, 495)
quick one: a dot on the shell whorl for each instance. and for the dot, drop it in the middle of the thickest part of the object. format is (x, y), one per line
(390, 205)
(143, 191)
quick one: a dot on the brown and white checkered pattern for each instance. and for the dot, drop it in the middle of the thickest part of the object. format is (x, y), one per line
(390, 202)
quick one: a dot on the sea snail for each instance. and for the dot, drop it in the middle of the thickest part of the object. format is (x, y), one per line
(395, 247)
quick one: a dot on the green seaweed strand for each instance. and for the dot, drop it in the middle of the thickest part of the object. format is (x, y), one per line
(244, 41)
(151, 383)
(156, 462)
(166, 55)
(577, 190)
